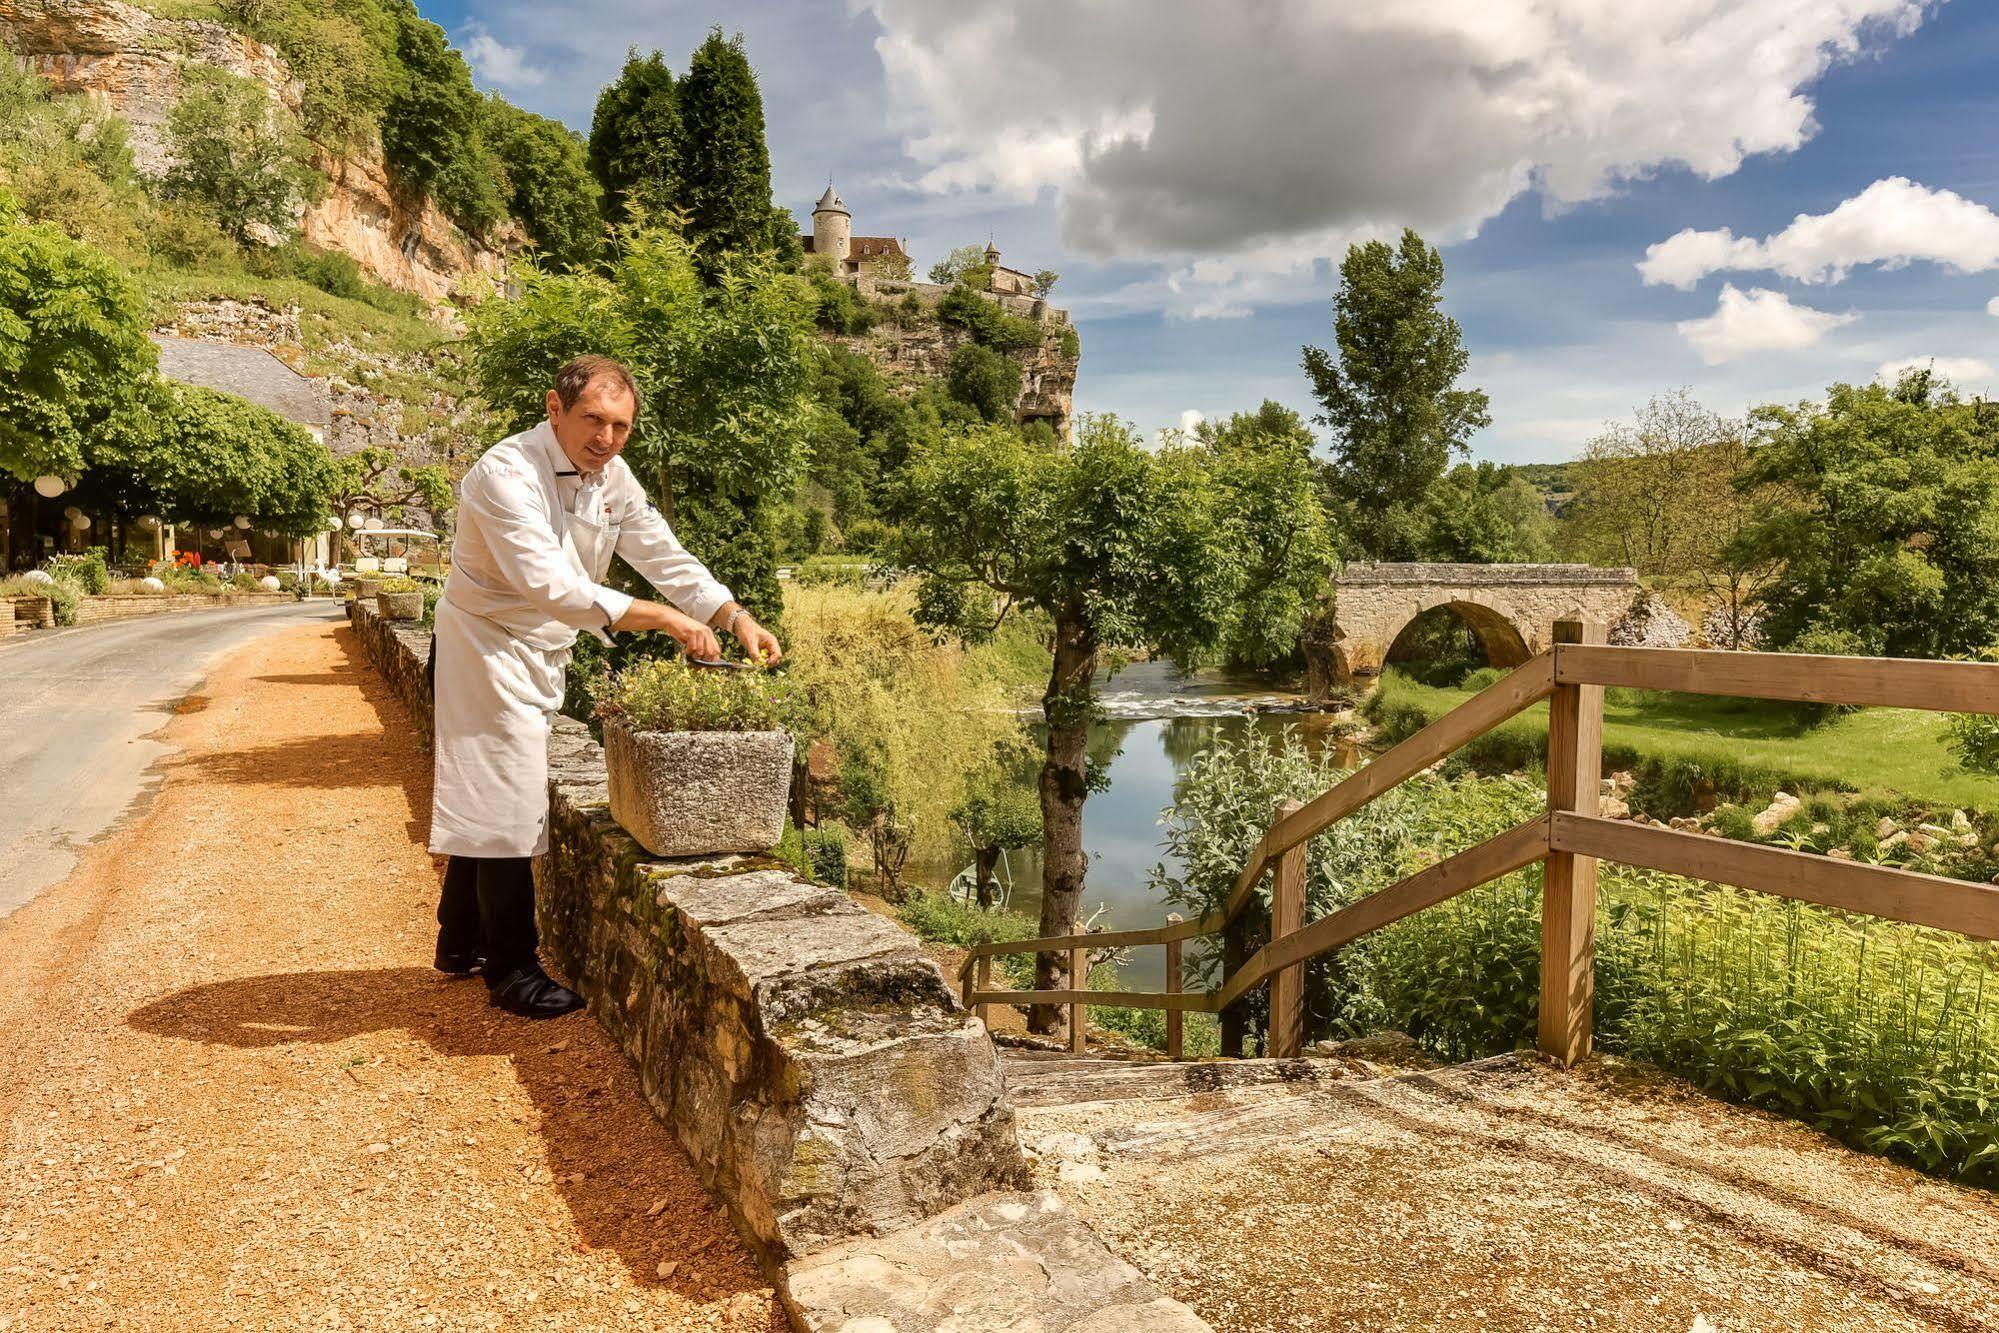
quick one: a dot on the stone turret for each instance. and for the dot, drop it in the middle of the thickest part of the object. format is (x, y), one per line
(832, 227)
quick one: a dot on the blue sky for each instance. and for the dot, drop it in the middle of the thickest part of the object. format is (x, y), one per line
(1195, 170)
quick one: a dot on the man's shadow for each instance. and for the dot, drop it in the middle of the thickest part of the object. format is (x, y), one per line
(610, 1157)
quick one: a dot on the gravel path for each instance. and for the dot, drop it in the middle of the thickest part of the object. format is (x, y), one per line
(234, 1095)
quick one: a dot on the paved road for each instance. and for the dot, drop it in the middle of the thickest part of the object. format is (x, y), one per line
(76, 708)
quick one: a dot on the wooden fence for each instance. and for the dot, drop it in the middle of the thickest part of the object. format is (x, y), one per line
(1569, 840)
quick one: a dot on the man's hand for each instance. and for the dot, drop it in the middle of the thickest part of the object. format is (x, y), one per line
(761, 645)
(694, 638)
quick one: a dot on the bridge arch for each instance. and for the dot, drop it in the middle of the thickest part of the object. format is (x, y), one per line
(1512, 610)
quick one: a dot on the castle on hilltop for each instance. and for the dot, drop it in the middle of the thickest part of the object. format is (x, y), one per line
(850, 255)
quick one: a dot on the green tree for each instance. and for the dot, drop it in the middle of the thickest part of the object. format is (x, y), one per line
(983, 379)
(432, 129)
(74, 356)
(1263, 465)
(1485, 514)
(723, 161)
(965, 263)
(1892, 538)
(238, 153)
(68, 163)
(635, 138)
(1121, 546)
(375, 478)
(725, 368)
(1389, 392)
(549, 185)
(201, 456)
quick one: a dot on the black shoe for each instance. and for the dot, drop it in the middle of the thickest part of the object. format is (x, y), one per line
(457, 962)
(531, 993)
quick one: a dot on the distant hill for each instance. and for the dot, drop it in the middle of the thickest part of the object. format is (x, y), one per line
(1553, 480)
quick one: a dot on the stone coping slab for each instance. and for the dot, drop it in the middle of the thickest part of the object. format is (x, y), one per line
(1371, 574)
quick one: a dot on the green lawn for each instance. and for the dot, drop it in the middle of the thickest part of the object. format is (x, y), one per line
(1876, 752)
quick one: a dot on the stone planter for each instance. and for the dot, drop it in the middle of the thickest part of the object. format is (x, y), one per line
(365, 589)
(400, 605)
(694, 793)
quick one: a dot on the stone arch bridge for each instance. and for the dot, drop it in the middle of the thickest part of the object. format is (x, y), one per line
(1511, 608)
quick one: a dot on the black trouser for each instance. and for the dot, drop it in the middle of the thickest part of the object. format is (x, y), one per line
(488, 904)
(488, 901)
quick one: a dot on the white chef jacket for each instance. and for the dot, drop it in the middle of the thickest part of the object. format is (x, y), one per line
(535, 540)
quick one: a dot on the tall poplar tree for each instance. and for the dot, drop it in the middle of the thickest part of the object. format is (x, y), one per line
(635, 138)
(724, 163)
(1389, 390)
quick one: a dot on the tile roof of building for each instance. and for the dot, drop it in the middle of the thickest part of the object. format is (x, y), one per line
(864, 247)
(247, 372)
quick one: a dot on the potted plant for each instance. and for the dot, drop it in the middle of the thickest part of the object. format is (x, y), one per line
(699, 758)
(399, 599)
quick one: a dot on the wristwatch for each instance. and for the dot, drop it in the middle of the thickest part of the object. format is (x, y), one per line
(734, 616)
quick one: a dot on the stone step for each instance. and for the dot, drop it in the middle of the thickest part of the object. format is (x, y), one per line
(1048, 1078)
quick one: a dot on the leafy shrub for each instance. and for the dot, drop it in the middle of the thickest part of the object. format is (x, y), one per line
(983, 379)
(839, 307)
(236, 154)
(1072, 342)
(400, 583)
(665, 694)
(989, 325)
(88, 570)
(826, 854)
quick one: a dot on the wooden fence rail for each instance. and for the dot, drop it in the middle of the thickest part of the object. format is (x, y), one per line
(1569, 840)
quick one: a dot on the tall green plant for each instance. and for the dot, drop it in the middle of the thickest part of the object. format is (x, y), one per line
(635, 138)
(238, 152)
(723, 163)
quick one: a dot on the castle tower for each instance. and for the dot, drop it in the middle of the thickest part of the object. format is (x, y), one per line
(832, 228)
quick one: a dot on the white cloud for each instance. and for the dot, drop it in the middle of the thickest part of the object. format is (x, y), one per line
(1757, 320)
(1892, 222)
(1992, 307)
(1191, 419)
(1963, 371)
(1264, 136)
(497, 63)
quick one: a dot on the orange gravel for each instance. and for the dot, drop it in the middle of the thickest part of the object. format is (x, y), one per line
(234, 1094)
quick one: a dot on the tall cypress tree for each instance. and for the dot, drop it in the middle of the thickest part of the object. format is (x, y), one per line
(635, 138)
(724, 162)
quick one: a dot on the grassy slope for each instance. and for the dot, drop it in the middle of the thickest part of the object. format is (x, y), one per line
(1874, 751)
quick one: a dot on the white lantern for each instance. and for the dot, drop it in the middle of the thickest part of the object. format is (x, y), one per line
(355, 518)
(151, 584)
(269, 583)
(375, 525)
(72, 513)
(334, 524)
(82, 522)
(243, 521)
(49, 487)
(38, 576)
(147, 521)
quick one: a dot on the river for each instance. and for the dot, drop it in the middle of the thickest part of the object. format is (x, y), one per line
(1156, 721)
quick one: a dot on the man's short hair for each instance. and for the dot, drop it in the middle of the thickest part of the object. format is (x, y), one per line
(575, 377)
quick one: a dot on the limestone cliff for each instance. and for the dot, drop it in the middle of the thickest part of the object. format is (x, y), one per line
(914, 345)
(130, 61)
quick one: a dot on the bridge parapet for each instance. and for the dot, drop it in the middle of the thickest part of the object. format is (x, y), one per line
(1511, 608)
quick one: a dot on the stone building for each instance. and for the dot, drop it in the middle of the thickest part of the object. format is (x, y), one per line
(833, 237)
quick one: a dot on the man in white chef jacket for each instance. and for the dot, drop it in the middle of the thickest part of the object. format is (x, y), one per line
(539, 517)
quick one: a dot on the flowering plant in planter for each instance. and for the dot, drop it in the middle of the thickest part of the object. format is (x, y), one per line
(699, 758)
(400, 599)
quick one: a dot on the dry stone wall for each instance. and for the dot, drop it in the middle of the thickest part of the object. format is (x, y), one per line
(822, 1077)
(118, 606)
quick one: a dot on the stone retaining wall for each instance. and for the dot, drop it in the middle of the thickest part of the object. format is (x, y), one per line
(32, 612)
(819, 1072)
(124, 606)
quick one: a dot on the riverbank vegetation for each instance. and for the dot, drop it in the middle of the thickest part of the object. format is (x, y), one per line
(1884, 1035)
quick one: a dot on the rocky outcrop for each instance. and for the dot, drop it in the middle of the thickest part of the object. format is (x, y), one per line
(914, 345)
(131, 61)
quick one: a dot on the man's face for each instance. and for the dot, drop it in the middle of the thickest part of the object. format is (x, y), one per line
(594, 428)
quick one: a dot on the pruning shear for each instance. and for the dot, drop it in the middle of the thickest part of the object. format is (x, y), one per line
(717, 663)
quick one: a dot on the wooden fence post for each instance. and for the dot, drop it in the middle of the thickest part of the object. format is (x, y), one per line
(1287, 914)
(1175, 1020)
(1079, 980)
(1235, 952)
(984, 971)
(1568, 895)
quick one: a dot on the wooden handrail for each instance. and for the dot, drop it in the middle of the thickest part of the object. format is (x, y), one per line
(1571, 837)
(1498, 702)
(1884, 682)
(1522, 845)
(1957, 905)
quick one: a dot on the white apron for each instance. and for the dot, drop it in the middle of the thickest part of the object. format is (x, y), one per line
(497, 692)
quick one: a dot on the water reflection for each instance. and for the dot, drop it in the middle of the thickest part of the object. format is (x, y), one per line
(1146, 759)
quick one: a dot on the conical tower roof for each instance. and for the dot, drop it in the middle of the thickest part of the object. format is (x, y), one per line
(829, 202)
